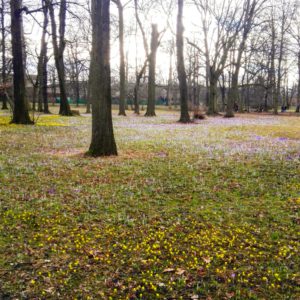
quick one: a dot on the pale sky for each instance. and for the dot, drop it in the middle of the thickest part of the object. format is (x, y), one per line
(33, 35)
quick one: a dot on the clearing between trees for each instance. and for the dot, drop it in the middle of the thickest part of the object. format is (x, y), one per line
(198, 211)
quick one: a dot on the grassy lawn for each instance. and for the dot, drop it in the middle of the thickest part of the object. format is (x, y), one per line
(200, 211)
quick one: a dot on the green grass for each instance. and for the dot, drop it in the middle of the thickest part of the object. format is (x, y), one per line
(201, 211)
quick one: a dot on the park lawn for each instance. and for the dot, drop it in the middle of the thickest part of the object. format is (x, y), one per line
(198, 211)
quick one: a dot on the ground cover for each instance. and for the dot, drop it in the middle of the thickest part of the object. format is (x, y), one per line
(199, 211)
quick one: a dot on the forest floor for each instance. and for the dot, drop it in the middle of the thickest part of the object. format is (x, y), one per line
(199, 211)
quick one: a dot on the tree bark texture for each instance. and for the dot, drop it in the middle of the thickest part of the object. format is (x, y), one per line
(103, 141)
(20, 112)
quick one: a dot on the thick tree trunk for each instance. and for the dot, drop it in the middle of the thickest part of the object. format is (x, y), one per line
(184, 111)
(223, 92)
(152, 67)
(103, 142)
(213, 94)
(20, 112)
(65, 109)
(233, 96)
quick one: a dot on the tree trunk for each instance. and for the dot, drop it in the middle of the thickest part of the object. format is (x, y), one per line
(76, 81)
(213, 93)
(152, 66)
(103, 142)
(20, 112)
(45, 85)
(4, 101)
(42, 66)
(137, 87)
(53, 79)
(223, 92)
(3, 49)
(273, 76)
(136, 97)
(88, 102)
(233, 96)
(140, 74)
(40, 75)
(77, 90)
(298, 89)
(122, 104)
(34, 94)
(279, 75)
(183, 88)
(64, 109)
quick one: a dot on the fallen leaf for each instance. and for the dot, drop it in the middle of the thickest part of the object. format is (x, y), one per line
(168, 270)
(207, 259)
(180, 271)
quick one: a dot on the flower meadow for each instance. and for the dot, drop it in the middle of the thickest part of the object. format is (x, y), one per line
(208, 210)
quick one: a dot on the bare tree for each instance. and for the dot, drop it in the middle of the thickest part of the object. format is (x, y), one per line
(250, 10)
(4, 58)
(184, 113)
(140, 73)
(122, 100)
(295, 33)
(152, 67)
(59, 44)
(284, 25)
(221, 24)
(42, 65)
(76, 66)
